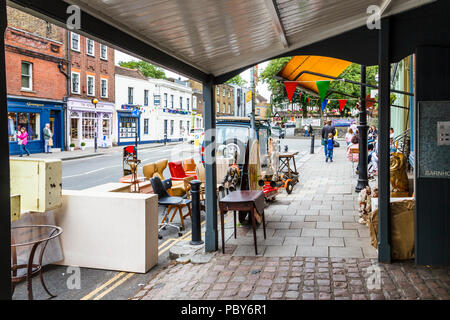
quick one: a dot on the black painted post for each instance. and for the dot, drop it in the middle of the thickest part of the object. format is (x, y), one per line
(384, 119)
(196, 223)
(312, 143)
(362, 128)
(211, 234)
(5, 217)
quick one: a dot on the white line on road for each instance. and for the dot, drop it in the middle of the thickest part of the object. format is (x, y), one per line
(89, 172)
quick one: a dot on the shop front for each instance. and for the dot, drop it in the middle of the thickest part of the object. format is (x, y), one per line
(33, 115)
(84, 120)
(128, 125)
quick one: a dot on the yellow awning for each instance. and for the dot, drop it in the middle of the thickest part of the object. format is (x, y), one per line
(325, 65)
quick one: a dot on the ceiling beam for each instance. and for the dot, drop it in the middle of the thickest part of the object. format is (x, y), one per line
(279, 29)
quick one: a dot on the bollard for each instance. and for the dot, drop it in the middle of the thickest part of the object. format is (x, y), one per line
(312, 143)
(196, 223)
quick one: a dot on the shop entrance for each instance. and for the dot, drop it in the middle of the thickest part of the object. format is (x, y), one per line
(55, 127)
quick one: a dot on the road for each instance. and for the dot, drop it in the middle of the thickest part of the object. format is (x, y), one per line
(112, 285)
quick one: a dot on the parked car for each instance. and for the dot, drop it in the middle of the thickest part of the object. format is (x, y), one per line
(233, 133)
(196, 134)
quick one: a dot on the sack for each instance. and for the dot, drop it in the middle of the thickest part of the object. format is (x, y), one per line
(50, 142)
(336, 144)
(323, 142)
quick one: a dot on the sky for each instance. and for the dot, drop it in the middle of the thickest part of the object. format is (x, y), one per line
(262, 88)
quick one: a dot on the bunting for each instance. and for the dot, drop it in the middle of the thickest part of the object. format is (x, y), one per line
(290, 89)
(324, 104)
(323, 88)
(342, 103)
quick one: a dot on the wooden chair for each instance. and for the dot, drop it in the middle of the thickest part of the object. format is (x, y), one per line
(189, 166)
(156, 169)
(354, 152)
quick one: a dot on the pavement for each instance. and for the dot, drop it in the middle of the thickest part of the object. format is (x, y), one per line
(315, 250)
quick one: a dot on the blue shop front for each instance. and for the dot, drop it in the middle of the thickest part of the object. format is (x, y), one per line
(34, 114)
(129, 124)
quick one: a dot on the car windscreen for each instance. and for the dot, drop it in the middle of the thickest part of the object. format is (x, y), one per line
(224, 133)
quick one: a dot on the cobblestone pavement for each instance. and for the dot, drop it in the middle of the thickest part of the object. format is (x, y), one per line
(230, 277)
(315, 250)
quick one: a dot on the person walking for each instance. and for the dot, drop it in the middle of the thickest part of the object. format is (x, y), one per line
(48, 135)
(326, 130)
(330, 146)
(22, 135)
(306, 130)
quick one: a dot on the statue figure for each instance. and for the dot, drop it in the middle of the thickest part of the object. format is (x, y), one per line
(399, 178)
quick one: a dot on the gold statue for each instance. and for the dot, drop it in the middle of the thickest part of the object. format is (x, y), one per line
(399, 178)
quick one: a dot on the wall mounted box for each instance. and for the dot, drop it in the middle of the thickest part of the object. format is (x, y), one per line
(38, 182)
(15, 207)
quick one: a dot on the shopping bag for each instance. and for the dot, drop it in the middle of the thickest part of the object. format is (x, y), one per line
(50, 142)
(323, 142)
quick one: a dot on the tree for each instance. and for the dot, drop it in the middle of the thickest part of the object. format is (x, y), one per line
(276, 87)
(237, 80)
(149, 70)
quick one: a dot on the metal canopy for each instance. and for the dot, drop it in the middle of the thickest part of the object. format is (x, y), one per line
(219, 37)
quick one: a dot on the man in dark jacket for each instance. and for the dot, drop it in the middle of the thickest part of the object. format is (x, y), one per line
(328, 128)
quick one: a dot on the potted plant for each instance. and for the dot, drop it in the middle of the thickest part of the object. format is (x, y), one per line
(72, 147)
(83, 145)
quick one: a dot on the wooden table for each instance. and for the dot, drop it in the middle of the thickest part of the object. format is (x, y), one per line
(243, 201)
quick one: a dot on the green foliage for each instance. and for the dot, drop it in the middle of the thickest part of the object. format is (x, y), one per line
(276, 87)
(237, 80)
(353, 72)
(149, 70)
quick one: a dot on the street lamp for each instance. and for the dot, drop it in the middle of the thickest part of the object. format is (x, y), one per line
(94, 102)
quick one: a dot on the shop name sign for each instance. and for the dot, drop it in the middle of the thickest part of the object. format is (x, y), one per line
(30, 104)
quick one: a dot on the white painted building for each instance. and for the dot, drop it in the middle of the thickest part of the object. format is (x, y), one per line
(150, 108)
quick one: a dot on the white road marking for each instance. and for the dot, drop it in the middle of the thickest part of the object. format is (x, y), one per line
(89, 172)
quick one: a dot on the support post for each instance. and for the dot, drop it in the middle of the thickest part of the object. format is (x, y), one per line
(211, 235)
(362, 128)
(5, 217)
(384, 120)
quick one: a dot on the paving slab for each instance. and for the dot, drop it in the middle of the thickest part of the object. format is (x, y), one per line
(311, 251)
(280, 251)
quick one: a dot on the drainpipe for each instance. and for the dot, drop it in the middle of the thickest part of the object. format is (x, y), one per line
(66, 97)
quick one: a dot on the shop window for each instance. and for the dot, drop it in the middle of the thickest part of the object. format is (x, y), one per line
(130, 95)
(103, 52)
(145, 126)
(75, 82)
(90, 47)
(172, 124)
(128, 127)
(106, 125)
(90, 85)
(75, 42)
(74, 128)
(89, 120)
(145, 97)
(104, 88)
(27, 76)
(29, 120)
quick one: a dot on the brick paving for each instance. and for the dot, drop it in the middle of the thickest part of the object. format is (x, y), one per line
(315, 249)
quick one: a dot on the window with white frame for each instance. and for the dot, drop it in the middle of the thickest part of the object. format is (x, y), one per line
(27, 76)
(217, 107)
(229, 93)
(130, 95)
(90, 85)
(229, 108)
(90, 48)
(181, 102)
(165, 100)
(75, 82)
(146, 98)
(223, 92)
(218, 90)
(188, 101)
(103, 52)
(224, 108)
(171, 100)
(75, 42)
(104, 88)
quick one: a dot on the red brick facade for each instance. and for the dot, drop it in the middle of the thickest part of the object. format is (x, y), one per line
(45, 55)
(92, 65)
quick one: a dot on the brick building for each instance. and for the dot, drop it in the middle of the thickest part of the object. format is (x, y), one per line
(197, 104)
(91, 76)
(36, 69)
(224, 98)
